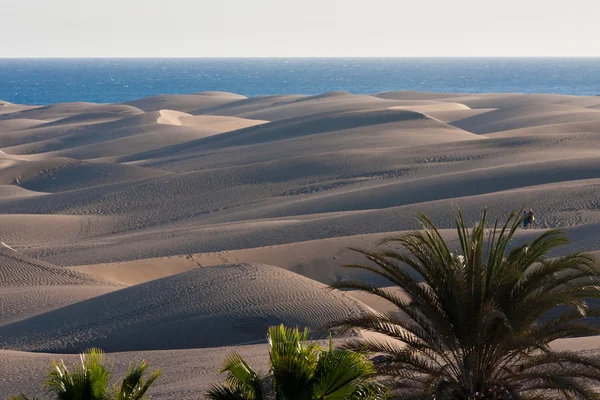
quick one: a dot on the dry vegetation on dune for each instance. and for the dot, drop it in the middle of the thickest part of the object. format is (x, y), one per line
(121, 217)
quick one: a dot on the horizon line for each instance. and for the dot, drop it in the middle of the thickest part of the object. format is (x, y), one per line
(287, 57)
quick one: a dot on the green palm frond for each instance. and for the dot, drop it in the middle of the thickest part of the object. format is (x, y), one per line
(300, 370)
(222, 392)
(338, 372)
(291, 341)
(243, 378)
(368, 390)
(89, 380)
(133, 386)
(293, 361)
(479, 320)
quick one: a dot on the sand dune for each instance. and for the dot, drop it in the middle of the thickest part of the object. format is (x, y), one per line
(331, 174)
(88, 118)
(16, 191)
(249, 105)
(185, 103)
(62, 174)
(274, 108)
(435, 107)
(335, 130)
(9, 108)
(558, 129)
(131, 134)
(409, 95)
(216, 93)
(17, 124)
(193, 236)
(170, 117)
(489, 100)
(321, 260)
(64, 110)
(31, 231)
(20, 270)
(524, 116)
(209, 122)
(29, 287)
(206, 307)
(160, 192)
(139, 124)
(380, 121)
(455, 115)
(38, 133)
(88, 174)
(22, 171)
(494, 100)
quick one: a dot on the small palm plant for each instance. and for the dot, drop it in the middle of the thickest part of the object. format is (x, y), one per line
(90, 380)
(133, 386)
(299, 370)
(478, 323)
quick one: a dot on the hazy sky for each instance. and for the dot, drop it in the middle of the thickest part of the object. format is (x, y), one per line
(254, 28)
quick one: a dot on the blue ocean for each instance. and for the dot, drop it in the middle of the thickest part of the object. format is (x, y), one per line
(45, 81)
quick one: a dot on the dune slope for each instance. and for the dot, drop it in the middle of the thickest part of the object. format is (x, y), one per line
(29, 287)
(206, 307)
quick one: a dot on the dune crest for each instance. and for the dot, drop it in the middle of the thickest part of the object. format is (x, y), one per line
(185, 102)
(209, 122)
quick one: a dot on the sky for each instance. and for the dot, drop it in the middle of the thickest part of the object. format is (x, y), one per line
(299, 28)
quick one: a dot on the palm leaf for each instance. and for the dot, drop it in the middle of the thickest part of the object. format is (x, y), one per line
(221, 392)
(133, 386)
(89, 380)
(300, 370)
(338, 372)
(478, 321)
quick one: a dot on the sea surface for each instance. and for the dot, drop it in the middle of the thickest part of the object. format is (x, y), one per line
(45, 81)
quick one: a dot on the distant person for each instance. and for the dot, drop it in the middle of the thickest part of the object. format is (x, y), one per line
(525, 219)
(530, 218)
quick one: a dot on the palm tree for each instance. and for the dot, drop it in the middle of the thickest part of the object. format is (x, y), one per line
(299, 370)
(90, 380)
(478, 323)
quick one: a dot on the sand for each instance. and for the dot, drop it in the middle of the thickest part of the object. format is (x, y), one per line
(187, 373)
(170, 226)
(206, 307)
(29, 287)
(185, 103)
